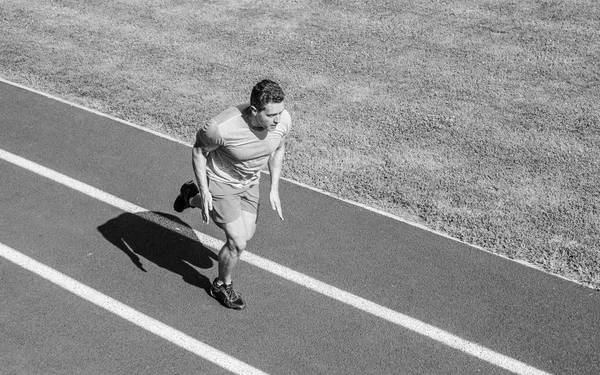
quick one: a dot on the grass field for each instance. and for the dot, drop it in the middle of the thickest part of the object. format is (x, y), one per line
(479, 119)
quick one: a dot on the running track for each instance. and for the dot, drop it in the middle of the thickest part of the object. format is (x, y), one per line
(99, 275)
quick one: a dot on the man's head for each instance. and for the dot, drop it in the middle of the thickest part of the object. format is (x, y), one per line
(266, 104)
(265, 92)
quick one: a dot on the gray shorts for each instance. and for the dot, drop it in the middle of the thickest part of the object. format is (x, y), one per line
(229, 202)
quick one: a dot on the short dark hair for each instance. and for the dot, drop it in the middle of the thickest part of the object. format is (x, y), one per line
(266, 92)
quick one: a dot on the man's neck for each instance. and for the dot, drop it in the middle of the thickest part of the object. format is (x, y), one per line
(250, 119)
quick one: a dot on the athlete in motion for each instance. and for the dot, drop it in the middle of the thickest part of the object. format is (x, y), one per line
(229, 153)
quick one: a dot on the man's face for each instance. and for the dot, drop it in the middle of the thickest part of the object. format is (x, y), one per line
(270, 116)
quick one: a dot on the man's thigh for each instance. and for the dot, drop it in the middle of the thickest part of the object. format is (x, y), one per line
(249, 219)
(241, 230)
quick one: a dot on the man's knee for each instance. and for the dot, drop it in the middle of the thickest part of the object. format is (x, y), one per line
(237, 244)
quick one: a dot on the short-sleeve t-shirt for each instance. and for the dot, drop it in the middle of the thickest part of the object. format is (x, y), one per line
(236, 152)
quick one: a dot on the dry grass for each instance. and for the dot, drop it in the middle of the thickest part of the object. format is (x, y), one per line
(476, 118)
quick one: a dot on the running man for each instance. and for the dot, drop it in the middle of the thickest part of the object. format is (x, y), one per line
(227, 158)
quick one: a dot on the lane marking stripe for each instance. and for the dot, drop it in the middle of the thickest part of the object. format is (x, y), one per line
(139, 319)
(360, 303)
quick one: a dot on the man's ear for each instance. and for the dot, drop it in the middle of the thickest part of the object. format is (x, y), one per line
(253, 110)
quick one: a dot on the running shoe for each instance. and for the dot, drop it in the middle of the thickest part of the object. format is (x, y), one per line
(188, 190)
(226, 295)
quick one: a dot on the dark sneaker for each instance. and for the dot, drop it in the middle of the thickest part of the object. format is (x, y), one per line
(227, 296)
(188, 190)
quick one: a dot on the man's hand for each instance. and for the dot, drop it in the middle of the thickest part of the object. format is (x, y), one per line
(206, 206)
(276, 203)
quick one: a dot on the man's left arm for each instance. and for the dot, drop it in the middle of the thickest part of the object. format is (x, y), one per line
(275, 164)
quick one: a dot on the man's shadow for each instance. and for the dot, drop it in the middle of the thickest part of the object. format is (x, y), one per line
(162, 239)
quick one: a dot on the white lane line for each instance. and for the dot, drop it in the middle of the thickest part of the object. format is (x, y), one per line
(382, 312)
(141, 320)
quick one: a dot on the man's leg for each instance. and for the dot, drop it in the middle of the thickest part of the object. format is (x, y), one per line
(238, 233)
(250, 223)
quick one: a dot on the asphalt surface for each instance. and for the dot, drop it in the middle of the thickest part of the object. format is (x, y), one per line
(530, 316)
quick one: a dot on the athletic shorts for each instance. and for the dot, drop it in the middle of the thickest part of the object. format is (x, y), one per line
(229, 202)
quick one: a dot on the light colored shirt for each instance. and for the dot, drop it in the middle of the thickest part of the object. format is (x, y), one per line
(236, 152)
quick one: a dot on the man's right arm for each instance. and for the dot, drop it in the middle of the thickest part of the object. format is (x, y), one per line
(199, 165)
